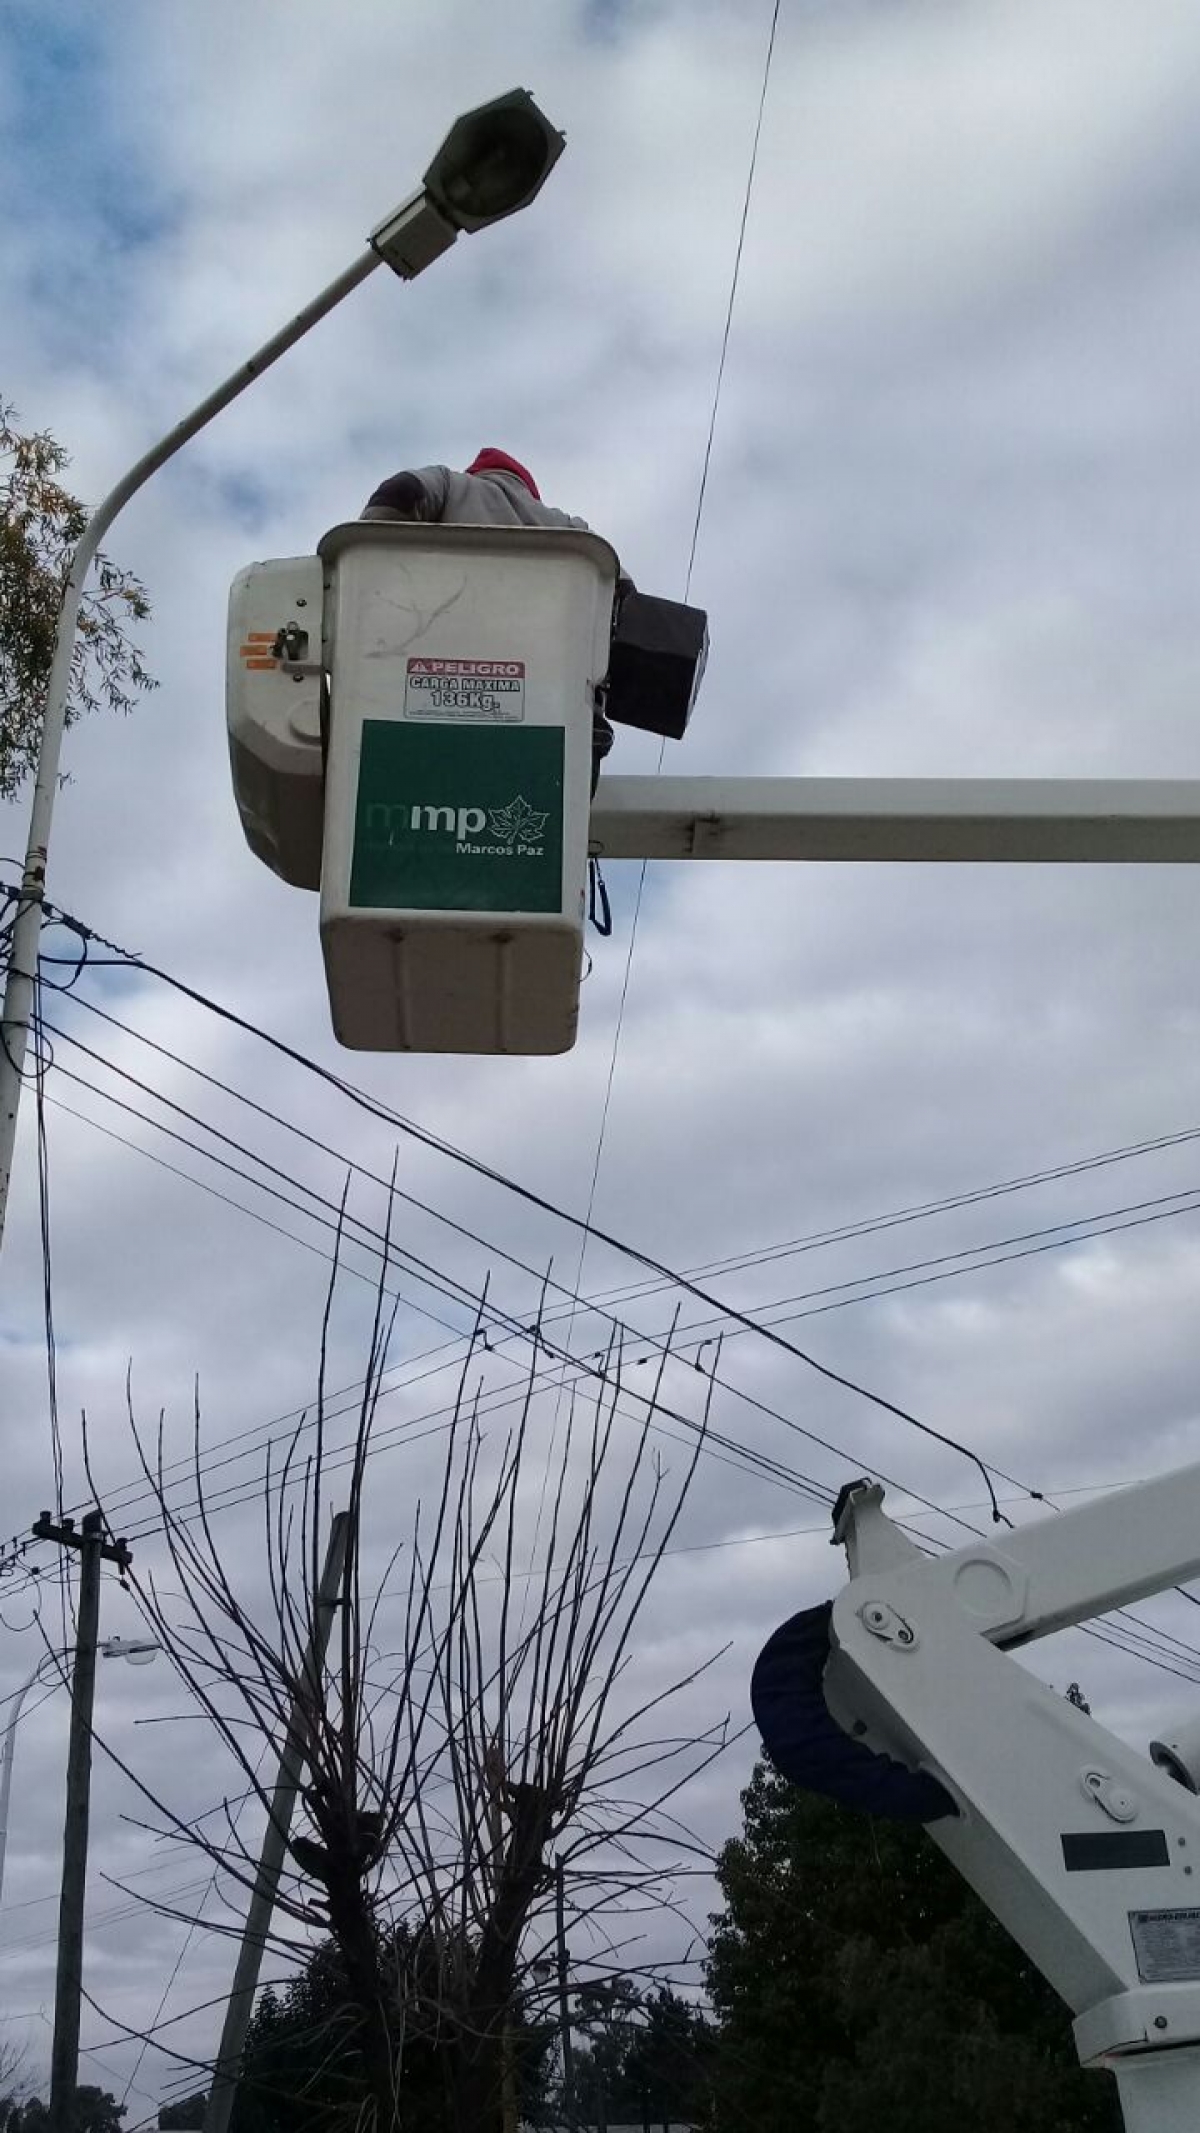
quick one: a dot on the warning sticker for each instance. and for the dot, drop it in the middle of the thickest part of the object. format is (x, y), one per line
(487, 690)
(1167, 1946)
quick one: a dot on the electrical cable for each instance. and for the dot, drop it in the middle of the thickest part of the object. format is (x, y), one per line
(97, 1920)
(41, 1058)
(335, 1218)
(733, 291)
(345, 1162)
(1102, 1223)
(814, 1239)
(235, 1497)
(425, 1138)
(501, 1319)
(253, 1214)
(479, 1168)
(641, 880)
(761, 1463)
(504, 1320)
(193, 1928)
(582, 1367)
(491, 1403)
(622, 1293)
(819, 1240)
(869, 1284)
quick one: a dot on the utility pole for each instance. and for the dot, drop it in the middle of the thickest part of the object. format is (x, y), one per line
(497, 1775)
(564, 2006)
(219, 2108)
(93, 1550)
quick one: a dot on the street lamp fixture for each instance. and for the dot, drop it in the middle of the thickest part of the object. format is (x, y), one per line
(138, 1651)
(492, 163)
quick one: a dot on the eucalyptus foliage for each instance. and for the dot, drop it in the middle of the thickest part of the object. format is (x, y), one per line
(40, 524)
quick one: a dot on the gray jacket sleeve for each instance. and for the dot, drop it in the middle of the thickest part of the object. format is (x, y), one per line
(412, 496)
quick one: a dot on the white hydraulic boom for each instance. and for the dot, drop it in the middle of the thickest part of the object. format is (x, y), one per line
(1091, 821)
(1084, 1849)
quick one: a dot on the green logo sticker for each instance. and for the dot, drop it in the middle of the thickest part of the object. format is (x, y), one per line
(458, 820)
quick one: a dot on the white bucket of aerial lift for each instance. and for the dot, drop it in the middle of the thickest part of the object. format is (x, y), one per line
(273, 687)
(410, 729)
(463, 666)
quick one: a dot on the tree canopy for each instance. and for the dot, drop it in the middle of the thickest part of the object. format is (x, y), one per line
(40, 523)
(95, 2111)
(859, 1982)
(184, 2116)
(648, 2058)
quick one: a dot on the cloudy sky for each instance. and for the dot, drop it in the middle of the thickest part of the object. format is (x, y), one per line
(950, 528)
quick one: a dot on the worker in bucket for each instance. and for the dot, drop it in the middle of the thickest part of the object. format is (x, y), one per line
(495, 490)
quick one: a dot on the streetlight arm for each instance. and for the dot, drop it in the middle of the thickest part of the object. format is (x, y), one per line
(18, 995)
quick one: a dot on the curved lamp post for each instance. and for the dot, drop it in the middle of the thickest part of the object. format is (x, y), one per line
(492, 163)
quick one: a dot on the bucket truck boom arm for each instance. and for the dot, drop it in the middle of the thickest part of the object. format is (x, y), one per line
(903, 1696)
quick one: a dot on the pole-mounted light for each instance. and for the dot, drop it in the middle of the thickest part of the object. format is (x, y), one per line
(137, 1651)
(492, 163)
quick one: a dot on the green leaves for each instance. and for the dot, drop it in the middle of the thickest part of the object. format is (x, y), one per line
(860, 1984)
(92, 2111)
(40, 524)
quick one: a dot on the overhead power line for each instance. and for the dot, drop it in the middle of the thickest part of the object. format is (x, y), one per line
(435, 1142)
(622, 1293)
(658, 1269)
(238, 1495)
(867, 1286)
(734, 281)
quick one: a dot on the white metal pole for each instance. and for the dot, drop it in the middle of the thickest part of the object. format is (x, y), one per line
(6, 1759)
(18, 995)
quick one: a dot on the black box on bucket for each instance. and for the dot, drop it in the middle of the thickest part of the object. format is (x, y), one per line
(658, 652)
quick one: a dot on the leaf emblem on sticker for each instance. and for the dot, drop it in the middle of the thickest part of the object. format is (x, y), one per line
(516, 821)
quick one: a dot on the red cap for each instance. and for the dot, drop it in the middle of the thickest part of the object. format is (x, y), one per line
(490, 461)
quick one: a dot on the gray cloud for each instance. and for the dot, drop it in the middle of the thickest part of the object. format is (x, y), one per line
(949, 528)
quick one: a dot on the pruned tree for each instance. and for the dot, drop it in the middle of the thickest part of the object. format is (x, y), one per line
(444, 1781)
(40, 524)
(300, 2073)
